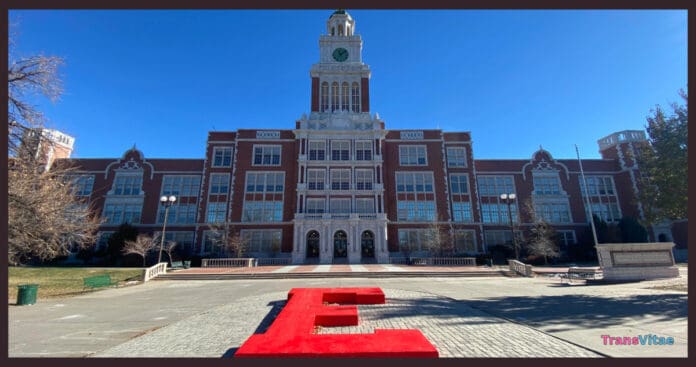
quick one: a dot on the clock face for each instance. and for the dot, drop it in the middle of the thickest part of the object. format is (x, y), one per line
(340, 54)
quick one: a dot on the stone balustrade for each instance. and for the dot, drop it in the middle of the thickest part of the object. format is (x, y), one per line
(520, 268)
(154, 271)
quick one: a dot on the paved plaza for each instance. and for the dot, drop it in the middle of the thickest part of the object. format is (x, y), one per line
(462, 317)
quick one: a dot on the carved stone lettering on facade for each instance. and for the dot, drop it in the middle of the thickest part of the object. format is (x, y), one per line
(268, 135)
(412, 135)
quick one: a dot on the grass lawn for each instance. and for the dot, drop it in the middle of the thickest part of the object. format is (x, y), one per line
(56, 282)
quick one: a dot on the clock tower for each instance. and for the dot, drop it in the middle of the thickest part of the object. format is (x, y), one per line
(340, 213)
(340, 81)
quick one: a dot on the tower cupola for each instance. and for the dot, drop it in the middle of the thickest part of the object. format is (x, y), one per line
(340, 24)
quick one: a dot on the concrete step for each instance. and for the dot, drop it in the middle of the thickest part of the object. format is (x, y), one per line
(314, 275)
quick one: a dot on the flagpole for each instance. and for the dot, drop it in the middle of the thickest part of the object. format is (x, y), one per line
(588, 208)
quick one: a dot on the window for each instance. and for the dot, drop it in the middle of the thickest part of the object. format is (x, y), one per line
(260, 182)
(553, 212)
(127, 184)
(495, 185)
(212, 242)
(267, 240)
(324, 97)
(419, 211)
(82, 185)
(117, 213)
(565, 238)
(219, 183)
(345, 96)
(266, 155)
(334, 96)
(184, 240)
(412, 239)
(317, 150)
(363, 179)
(456, 157)
(420, 182)
(459, 184)
(365, 206)
(181, 185)
(340, 205)
(340, 179)
(103, 240)
(262, 211)
(603, 199)
(498, 213)
(216, 212)
(340, 150)
(412, 155)
(363, 150)
(546, 185)
(315, 179)
(355, 96)
(609, 212)
(315, 206)
(464, 242)
(495, 238)
(222, 156)
(178, 213)
(462, 211)
(598, 185)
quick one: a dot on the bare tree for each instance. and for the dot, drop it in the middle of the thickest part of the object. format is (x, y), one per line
(236, 244)
(230, 239)
(169, 248)
(436, 241)
(542, 242)
(45, 218)
(142, 245)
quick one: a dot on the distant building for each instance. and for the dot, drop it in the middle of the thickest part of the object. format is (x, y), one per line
(47, 145)
(340, 187)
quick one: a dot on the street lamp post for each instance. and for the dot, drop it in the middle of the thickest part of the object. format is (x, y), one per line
(509, 199)
(167, 202)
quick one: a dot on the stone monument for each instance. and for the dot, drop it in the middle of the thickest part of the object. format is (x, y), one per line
(637, 261)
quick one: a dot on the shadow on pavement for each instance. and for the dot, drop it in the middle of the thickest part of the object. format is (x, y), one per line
(583, 311)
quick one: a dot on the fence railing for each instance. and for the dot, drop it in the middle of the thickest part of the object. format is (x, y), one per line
(399, 260)
(273, 261)
(467, 261)
(434, 261)
(154, 271)
(228, 263)
(520, 268)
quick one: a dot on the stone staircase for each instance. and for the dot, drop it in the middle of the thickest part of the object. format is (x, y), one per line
(318, 275)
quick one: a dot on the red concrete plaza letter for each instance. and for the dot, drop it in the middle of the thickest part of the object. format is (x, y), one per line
(292, 332)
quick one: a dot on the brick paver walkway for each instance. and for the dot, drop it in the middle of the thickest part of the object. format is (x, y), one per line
(454, 328)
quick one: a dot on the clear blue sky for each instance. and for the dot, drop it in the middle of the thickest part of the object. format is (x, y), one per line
(516, 79)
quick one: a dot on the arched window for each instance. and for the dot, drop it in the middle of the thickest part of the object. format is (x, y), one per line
(355, 92)
(333, 31)
(324, 97)
(340, 30)
(348, 32)
(345, 96)
(334, 96)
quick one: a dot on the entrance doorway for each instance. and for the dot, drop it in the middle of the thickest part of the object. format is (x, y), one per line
(340, 244)
(312, 244)
(367, 241)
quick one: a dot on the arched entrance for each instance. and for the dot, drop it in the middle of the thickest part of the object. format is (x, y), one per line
(312, 244)
(367, 244)
(340, 244)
